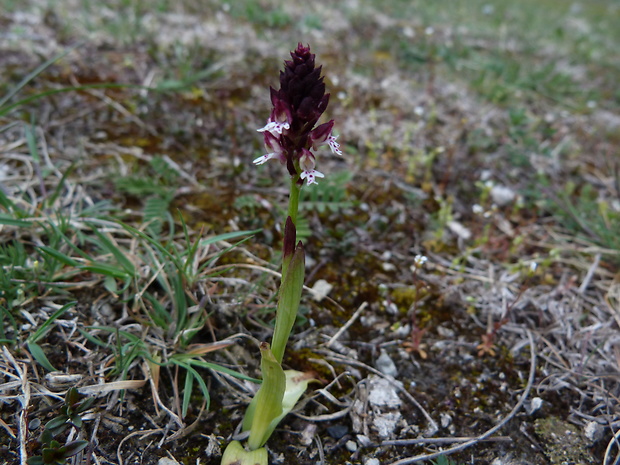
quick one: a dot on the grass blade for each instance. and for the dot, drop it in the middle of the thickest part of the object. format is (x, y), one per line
(37, 353)
(187, 392)
(61, 257)
(227, 236)
(29, 77)
(8, 220)
(46, 326)
(109, 246)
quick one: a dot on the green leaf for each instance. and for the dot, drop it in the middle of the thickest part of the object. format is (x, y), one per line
(235, 454)
(227, 236)
(150, 240)
(57, 425)
(106, 270)
(110, 285)
(120, 256)
(74, 447)
(296, 384)
(187, 392)
(61, 257)
(213, 366)
(194, 376)
(159, 315)
(36, 460)
(29, 77)
(8, 203)
(290, 296)
(155, 210)
(61, 184)
(180, 303)
(93, 339)
(53, 455)
(267, 404)
(8, 220)
(31, 141)
(38, 354)
(46, 326)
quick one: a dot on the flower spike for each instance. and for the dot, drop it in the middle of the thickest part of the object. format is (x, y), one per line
(290, 135)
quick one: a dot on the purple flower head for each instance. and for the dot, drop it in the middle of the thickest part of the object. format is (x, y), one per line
(289, 134)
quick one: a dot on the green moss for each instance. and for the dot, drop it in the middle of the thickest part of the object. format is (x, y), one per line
(562, 441)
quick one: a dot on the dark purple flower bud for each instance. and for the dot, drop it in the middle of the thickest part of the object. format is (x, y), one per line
(290, 236)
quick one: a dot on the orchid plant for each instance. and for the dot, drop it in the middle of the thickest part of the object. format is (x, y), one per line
(291, 137)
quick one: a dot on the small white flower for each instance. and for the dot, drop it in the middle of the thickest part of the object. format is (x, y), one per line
(333, 145)
(266, 157)
(275, 127)
(311, 175)
(322, 135)
(419, 261)
(272, 144)
(306, 163)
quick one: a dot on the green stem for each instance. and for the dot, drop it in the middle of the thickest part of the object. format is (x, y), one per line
(293, 200)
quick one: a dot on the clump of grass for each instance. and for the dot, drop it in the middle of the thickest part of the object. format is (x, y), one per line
(54, 254)
(588, 216)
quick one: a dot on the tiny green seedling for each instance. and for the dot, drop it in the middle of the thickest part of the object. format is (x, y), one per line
(53, 451)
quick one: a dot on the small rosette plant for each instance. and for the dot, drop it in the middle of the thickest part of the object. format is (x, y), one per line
(292, 137)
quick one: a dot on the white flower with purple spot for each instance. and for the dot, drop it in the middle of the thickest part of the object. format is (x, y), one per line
(307, 163)
(333, 145)
(275, 127)
(272, 144)
(322, 135)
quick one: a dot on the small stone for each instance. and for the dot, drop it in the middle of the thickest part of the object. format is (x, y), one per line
(445, 419)
(321, 289)
(594, 431)
(390, 307)
(388, 266)
(382, 393)
(308, 433)
(459, 230)
(502, 195)
(351, 446)
(167, 461)
(34, 424)
(446, 333)
(372, 461)
(534, 405)
(386, 423)
(213, 447)
(386, 365)
(364, 441)
(337, 431)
